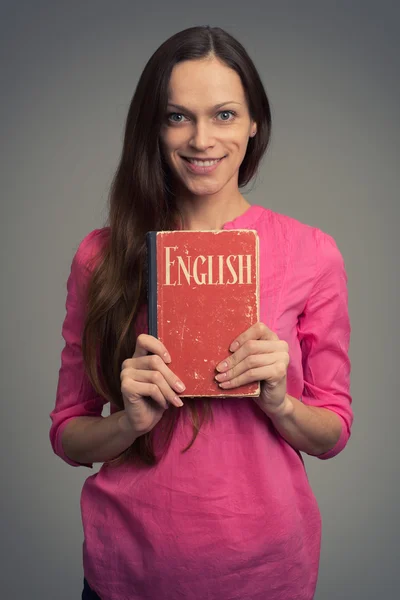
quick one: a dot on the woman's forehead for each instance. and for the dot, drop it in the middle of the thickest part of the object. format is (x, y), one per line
(208, 81)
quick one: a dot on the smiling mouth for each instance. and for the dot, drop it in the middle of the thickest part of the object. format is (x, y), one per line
(209, 162)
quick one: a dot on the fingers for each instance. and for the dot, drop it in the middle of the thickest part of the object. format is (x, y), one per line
(161, 383)
(135, 390)
(251, 366)
(258, 331)
(260, 357)
(272, 373)
(252, 347)
(158, 380)
(148, 343)
(154, 363)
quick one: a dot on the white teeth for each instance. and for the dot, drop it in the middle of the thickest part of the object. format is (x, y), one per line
(203, 163)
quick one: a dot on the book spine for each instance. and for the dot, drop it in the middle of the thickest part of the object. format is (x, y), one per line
(151, 243)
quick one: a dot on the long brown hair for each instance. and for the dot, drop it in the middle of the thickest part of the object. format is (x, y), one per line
(141, 199)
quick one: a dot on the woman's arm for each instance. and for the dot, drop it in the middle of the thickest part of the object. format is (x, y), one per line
(307, 428)
(320, 424)
(87, 440)
(78, 406)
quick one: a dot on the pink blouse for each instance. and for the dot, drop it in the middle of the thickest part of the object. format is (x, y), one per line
(234, 517)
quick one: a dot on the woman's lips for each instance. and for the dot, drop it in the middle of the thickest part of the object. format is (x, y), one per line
(200, 169)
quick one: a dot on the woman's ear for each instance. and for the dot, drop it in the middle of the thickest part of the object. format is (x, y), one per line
(253, 130)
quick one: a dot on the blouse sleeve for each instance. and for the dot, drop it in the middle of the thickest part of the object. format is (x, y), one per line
(75, 395)
(324, 334)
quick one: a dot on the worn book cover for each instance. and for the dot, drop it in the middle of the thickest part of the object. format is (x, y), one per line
(203, 291)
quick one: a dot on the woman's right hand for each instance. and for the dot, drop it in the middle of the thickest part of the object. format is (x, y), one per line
(148, 385)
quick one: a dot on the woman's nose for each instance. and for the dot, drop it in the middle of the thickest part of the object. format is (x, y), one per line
(202, 136)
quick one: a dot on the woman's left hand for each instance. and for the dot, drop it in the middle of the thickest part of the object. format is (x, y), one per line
(258, 355)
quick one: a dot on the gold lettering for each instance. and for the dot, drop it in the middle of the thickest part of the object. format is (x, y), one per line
(232, 270)
(168, 263)
(210, 270)
(185, 269)
(195, 274)
(248, 267)
(180, 270)
(220, 269)
(243, 267)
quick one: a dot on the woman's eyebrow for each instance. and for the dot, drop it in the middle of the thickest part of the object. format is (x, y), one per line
(183, 108)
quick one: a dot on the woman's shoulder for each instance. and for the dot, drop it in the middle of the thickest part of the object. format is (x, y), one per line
(296, 232)
(89, 252)
(91, 247)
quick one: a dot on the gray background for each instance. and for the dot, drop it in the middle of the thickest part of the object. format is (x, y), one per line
(68, 71)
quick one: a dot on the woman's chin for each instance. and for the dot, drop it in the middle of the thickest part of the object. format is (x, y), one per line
(204, 190)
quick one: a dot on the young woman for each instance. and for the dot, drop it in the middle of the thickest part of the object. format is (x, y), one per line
(228, 514)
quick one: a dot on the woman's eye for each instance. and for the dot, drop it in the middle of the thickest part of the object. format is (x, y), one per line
(226, 114)
(172, 115)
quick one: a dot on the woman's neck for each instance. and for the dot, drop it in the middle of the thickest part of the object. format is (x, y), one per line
(210, 213)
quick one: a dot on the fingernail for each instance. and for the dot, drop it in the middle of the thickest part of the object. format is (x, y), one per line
(222, 366)
(180, 386)
(178, 401)
(167, 357)
(234, 346)
(220, 376)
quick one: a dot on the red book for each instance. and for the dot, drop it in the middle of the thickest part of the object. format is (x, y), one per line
(203, 291)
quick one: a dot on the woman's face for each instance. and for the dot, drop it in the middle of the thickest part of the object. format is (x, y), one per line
(206, 127)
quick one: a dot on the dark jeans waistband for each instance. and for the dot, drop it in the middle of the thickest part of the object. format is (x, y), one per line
(88, 593)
